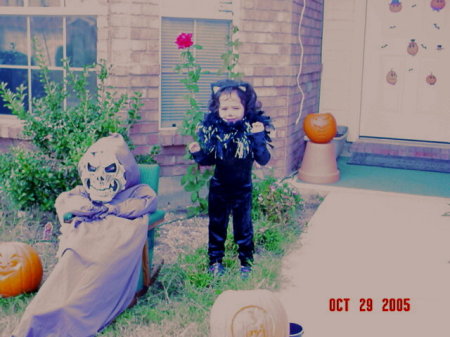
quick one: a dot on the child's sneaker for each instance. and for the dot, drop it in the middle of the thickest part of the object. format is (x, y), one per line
(216, 269)
(245, 272)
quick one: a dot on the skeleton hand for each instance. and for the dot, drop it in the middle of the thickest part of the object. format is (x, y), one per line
(257, 127)
(194, 147)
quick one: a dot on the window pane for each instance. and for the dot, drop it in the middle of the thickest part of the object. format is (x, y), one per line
(47, 32)
(170, 29)
(37, 88)
(14, 78)
(212, 35)
(13, 40)
(81, 40)
(11, 2)
(173, 103)
(44, 3)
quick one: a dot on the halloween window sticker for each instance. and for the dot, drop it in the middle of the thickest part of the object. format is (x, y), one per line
(431, 79)
(395, 6)
(437, 5)
(412, 48)
(391, 77)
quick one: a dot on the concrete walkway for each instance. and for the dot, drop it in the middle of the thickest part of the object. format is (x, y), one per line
(371, 245)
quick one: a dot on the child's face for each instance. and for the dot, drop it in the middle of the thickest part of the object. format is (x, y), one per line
(231, 109)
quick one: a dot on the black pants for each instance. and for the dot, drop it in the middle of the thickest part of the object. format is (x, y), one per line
(238, 203)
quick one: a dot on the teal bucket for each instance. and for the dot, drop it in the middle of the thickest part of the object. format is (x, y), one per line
(295, 330)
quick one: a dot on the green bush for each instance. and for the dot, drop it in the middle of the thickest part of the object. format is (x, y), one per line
(275, 206)
(61, 132)
(150, 157)
(29, 178)
(274, 200)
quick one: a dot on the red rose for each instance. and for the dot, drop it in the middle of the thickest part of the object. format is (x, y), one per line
(184, 41)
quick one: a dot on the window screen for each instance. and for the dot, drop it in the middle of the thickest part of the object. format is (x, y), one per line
(212, 36)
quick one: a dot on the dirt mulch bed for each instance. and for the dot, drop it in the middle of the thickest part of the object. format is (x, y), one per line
(178, 234)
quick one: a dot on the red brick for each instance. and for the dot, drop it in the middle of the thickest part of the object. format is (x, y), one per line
(141, 149)
(166, 160)
(165, 139)
(144, 81)
(119, 20)
(169, 171)
(152, 139)
(145, 127)
(142, 33)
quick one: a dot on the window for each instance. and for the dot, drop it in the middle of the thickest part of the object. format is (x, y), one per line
(60, 31)
(212, 36)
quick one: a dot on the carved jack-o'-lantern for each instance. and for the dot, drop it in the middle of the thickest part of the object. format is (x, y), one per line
(248, 313)
(431, 79)
(395, 6)
(437, 5)
(391, 77)
(20, 269)
(320, 127)
(413, 48)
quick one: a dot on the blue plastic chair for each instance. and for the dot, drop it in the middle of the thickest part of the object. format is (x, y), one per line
(149, 176)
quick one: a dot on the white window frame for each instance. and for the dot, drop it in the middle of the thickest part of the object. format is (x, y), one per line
(88, 8)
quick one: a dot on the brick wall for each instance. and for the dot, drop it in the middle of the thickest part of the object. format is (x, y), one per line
(128, 38)
(133, 47)
(270, 59)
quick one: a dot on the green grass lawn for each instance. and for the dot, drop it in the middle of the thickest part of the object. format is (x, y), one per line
(178, 303)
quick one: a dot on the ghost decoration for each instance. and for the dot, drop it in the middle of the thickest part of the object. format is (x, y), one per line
(100, 247)
(101, 170)
(102, 175)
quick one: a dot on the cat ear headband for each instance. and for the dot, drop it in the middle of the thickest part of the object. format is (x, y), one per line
(215, 87)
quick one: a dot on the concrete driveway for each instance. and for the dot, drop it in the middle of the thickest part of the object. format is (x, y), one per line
(371, 264)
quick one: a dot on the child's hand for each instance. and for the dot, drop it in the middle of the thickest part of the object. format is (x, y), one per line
(257, 127)
(194, 147)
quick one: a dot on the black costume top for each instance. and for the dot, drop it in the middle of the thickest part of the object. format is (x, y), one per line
(232, 148)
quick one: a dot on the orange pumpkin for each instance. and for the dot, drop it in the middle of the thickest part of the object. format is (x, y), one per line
(431, 79)
(20, 269)
(320, 127)
(413, 48)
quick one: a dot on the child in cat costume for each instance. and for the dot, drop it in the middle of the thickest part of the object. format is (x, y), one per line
(232, 136)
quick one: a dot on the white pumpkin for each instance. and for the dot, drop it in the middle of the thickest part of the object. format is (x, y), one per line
(244, 313)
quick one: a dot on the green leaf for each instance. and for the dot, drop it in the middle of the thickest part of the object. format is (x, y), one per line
(194, 197)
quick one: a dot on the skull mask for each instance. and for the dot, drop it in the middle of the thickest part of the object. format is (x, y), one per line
(102, 175)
